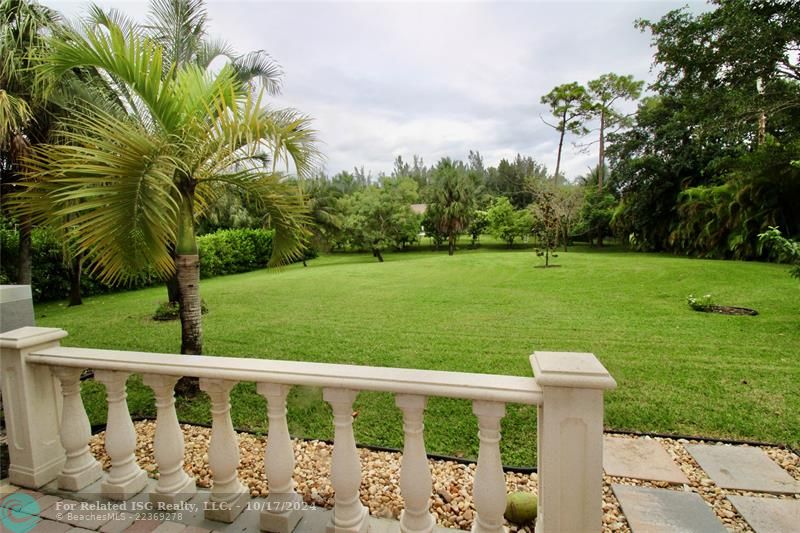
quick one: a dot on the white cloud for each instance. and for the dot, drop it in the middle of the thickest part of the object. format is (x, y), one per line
(436, 79)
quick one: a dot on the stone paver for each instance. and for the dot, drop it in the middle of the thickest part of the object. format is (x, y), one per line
(6, 501)
(768, 515)
(640, 459)
(119, 523)
(56, 512)
(7, 488)
(743, 468)
(42, 504)
(651, 510)
(143, 526)
(169, 527)
(49, 526)
(77, 514)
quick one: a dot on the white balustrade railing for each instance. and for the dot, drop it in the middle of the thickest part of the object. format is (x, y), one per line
(48, 430)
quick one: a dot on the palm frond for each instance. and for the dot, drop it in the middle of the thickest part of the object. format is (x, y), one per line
(14, 116)
(294, 141)
(283, 203)
(111, 184)
(179, 27)
(112, 18)
(259, 66)
(130, 59)
(211, 49)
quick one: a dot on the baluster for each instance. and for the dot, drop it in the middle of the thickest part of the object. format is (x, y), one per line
(282, 511)
(415, 472)
(174, 484)
(80, 468)
(228, 494)
(349, 515)
(125, 477)
(489, 487)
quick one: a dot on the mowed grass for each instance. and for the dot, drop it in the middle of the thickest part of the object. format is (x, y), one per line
(678, 371)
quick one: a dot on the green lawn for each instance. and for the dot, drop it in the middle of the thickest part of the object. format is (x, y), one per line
(486, 310)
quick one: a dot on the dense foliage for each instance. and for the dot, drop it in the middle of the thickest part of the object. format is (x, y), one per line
(223, 252)
(707, 165)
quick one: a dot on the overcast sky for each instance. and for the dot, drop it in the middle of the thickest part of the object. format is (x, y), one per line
(432, 78)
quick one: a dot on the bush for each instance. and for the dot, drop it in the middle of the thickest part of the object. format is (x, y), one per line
(700, 304)
(234, 250)
(172, 311)
(223, 252)
(49, 271)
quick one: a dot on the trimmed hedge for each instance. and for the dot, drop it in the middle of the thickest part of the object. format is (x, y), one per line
(223, 252)
(231, 251)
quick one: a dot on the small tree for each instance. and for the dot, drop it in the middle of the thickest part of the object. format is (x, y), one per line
(567, 201)
(506, 223)
(431, 230)
(479, 223)
(546, 225)
(379, 217)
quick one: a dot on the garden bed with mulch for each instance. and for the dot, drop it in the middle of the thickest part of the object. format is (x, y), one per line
(730, 310)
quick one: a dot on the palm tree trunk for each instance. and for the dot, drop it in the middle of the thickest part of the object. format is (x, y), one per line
(24, 266)
(75, 281)
(187, 273)
(451, 244)
(187, 268)
(173, 291)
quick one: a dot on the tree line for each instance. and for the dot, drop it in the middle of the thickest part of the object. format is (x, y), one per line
(118, 138)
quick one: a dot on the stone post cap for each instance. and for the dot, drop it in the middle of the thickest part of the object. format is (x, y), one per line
(30, 336)
(14, 293)
(571, 370)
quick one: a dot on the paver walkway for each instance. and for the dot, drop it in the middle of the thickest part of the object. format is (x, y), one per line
(684, 506)
(768, 515)
(655, 510)
(666, 511)
(640, 459)
(743, 468)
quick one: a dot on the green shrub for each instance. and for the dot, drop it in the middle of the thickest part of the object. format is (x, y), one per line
(700, 304)
(171, 311)
(223, 252)
(234, 250)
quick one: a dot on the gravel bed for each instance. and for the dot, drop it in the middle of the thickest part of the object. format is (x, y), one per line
(452, 500)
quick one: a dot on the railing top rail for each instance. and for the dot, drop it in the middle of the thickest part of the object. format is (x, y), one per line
(469, 386)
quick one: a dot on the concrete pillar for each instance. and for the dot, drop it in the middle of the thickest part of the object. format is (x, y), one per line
(570, 437)
(32, 407)
(16, 307)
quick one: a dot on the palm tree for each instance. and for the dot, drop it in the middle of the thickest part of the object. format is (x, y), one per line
(453, 201)
(180, 28)
(25, 109)
(134, 184)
